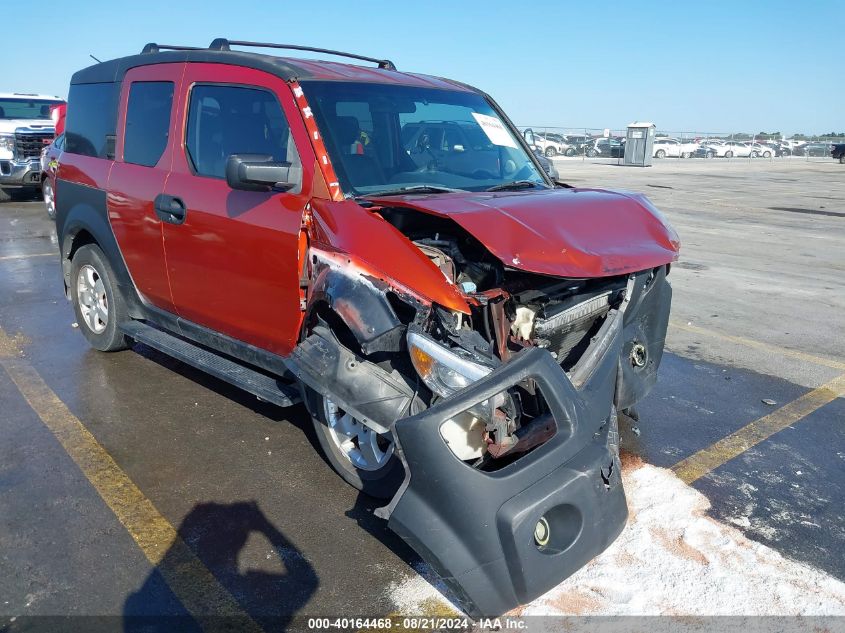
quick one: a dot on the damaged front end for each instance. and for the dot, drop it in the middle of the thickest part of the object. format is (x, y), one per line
(503, 415)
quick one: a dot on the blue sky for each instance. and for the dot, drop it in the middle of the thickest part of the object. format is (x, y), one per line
(742, 65)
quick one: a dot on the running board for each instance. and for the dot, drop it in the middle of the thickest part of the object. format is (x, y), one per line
(258, 384)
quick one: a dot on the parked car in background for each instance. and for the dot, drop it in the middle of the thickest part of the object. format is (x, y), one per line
(760, 150)
(814, 149)
(26, 127)
(730, 149)
(673, 148)
(552, 144)
(50, 156)
(838, 152)
(547, 165)
(606, 148)
(704, 151)
(579, 144)
(779, 149)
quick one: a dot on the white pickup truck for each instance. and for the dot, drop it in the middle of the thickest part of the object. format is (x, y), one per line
(26, 127)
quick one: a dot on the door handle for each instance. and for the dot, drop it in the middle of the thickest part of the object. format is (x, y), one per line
(170, 209)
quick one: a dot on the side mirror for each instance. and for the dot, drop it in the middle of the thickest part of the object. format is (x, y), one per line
(259, 172)
(528, 135)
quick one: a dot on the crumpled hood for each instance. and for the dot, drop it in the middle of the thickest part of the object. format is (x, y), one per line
(561, 232)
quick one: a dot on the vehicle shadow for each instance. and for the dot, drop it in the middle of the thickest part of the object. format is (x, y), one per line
(270, 583)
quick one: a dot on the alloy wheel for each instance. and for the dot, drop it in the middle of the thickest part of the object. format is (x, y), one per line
(93, 301)
(363, 447)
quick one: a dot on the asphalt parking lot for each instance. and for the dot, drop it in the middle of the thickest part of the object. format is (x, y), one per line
(102, 457)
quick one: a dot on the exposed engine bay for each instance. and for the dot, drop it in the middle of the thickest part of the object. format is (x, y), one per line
(510, 310)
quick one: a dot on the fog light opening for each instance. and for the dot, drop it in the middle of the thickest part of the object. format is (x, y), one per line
(542, 533)
(557, 529)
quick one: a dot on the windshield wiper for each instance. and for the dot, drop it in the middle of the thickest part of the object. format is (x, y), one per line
(413, 189)
(515, 185)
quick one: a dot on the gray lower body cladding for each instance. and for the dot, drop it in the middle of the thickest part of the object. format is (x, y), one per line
(645, 323)
(476, 528)
(372, 395)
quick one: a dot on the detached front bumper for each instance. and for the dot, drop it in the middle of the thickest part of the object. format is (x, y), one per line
(476, 528)
(25, 173)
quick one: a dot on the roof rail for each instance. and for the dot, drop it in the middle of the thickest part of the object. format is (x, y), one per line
(152, 47)
(222, 44)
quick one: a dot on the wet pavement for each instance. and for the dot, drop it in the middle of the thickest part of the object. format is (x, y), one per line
(246, 489)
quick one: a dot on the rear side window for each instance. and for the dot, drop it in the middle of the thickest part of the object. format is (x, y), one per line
(147, 122)
(91, 118)
(225, 120)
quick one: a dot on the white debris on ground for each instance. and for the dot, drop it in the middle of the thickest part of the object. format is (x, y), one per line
(671, 559)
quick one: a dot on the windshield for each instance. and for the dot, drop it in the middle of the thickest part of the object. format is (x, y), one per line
(384, 138)
(23, 108)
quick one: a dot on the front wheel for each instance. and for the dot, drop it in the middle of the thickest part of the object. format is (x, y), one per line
(49, 198)
(97, 301)
(685, 154)
(767, 154)
(591, 153)
(363, 457)
(729, 154)
(660, 154)
(551, 152)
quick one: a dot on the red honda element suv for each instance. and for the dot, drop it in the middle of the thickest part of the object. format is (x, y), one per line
(384, 247)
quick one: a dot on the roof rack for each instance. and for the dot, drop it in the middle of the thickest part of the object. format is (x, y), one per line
(152, 47)
(222, 44)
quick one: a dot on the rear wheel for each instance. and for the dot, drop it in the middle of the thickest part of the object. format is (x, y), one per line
(591, 153)
(97, 301)
(685, 154)
(842, 159)
(767, 154)
(49, 198)
(661, 153)
(729, 154)
(551, 152)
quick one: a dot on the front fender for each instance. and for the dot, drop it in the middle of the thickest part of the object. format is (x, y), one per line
(359, 300)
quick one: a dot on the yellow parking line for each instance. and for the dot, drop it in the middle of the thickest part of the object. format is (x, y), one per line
(766, 347)
(710, 458)
(192, 582)
(27, 256)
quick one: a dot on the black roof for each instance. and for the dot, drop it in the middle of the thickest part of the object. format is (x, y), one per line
(113, 70)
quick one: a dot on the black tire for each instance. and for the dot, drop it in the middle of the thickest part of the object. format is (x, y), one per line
(48, 195)
(842, 159)
(685, 154)
(755, 155)
(661, 153)
(591, 153)
(708, 155)
(570, 152)
(110, 339)
(381, 484)
(729, 154)
(550, 152)
(767, 154)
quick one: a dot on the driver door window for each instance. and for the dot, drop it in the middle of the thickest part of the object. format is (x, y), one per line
(225, 120)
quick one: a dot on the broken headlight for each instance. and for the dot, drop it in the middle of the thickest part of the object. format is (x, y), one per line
(445, 371)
